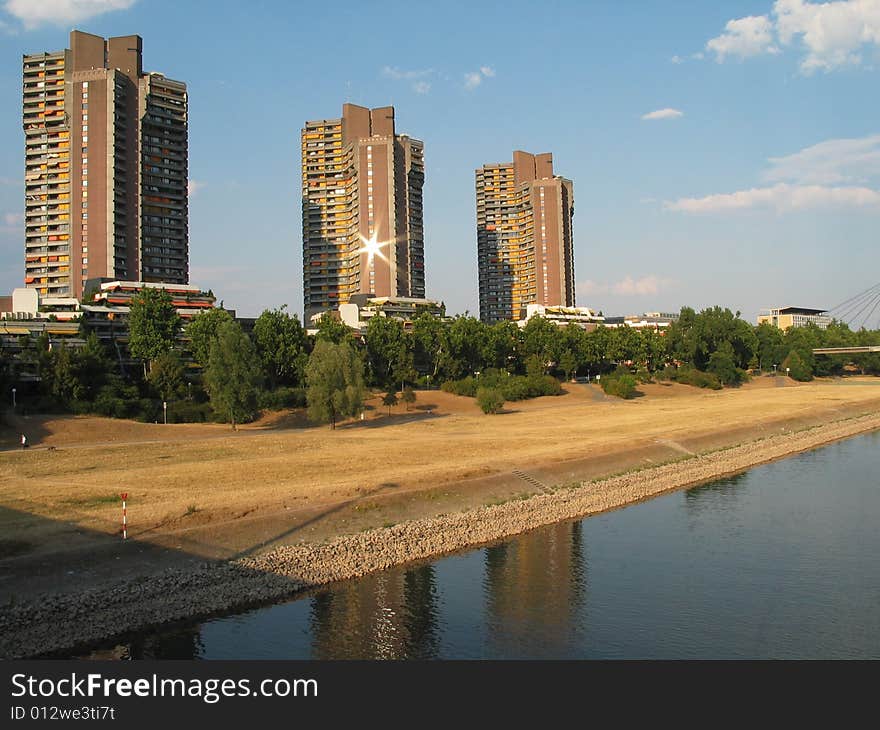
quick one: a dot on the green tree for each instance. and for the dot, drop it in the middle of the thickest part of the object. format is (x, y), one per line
(65, 383)
(722, 365)
(390, 400)
(409, 396)
(796, 368)
(654, 348)
(388, 352)
(502, 344)
(490, 400)
(542, 338)
(202, 331)
(464, 345)
(770, 345)
(428, 338)
(334, 382)
(803, 340)
(167, 376)
(535, 367)
(332, 329)
(281, 346)
(596, 346)
(232, 377)
(152, 323)
(568, 363)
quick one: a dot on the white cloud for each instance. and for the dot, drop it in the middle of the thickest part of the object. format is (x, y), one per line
(831, 34)
(628, 286)
(783, 198)
(828, 163)
(13, 220)
(193, 187)
(650, 284)
(677, 59)
(744, 37)
(472, 79)
(663, 114)
(392, 72)
(416, 77)
(34, 13)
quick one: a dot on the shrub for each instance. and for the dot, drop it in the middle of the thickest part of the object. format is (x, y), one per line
(490, 400)
(623, 386)
(466, 386)
(281, 398)
(512, 387)
(691, 376)
(186, 411)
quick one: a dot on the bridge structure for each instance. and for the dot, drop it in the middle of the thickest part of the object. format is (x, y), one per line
(845, 350)
(861, 310)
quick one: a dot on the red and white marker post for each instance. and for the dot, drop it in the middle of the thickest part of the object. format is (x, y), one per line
(124, 496)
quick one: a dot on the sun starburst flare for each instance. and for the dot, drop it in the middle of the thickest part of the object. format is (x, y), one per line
(373, 247)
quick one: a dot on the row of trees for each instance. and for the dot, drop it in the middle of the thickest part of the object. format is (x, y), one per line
(212, 368)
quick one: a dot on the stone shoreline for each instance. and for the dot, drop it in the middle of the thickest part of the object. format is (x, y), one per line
(61, 622)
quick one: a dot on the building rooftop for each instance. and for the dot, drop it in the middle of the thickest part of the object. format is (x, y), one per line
(796, 310)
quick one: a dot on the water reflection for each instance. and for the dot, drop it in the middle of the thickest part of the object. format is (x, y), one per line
(390, 615)
(532, 582)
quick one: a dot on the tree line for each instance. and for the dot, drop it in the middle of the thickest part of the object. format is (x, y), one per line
(209, 368)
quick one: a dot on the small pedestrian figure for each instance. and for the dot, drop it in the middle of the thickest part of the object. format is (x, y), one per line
(23, 441)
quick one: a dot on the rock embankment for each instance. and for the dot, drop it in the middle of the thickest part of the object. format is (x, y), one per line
(60, 622)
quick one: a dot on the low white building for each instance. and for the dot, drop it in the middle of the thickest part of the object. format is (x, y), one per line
(562, 316)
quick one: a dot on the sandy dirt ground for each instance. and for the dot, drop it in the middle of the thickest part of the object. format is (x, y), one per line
(203, 492)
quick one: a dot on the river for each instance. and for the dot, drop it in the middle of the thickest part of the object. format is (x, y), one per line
(782, 561)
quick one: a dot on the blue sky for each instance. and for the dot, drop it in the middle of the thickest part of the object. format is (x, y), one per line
(754, 181)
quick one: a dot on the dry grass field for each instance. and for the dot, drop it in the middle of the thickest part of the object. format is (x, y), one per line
(208, 491)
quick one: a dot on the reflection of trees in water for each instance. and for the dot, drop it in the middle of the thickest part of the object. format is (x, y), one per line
(182, 643)
(695, 498)
(536, 588)
(391, 615)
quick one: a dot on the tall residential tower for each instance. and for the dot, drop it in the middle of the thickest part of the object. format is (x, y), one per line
(362, 209)
(525, 251)
(105, 167)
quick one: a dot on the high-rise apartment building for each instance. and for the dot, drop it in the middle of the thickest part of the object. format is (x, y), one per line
(525, 251)
(105, 167)
(362, 209)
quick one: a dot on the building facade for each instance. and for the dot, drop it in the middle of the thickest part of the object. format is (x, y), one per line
(785, 317)
(105, 167)
(525, 247)
(363, 229)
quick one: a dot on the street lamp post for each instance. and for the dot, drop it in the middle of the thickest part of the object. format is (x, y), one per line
(13, 399)
(165, 411)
